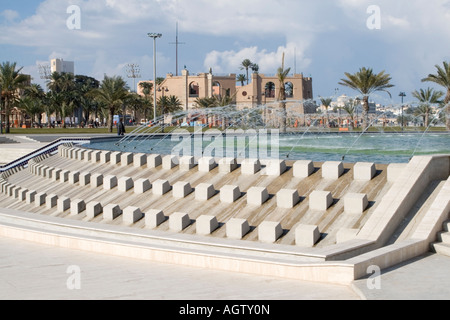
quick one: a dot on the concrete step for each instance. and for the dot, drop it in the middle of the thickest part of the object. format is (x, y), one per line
(441, 248)
(444, 237)
(447, 226)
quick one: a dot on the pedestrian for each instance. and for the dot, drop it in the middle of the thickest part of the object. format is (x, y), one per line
(120, 128)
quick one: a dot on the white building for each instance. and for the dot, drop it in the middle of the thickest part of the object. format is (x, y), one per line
(61, 66)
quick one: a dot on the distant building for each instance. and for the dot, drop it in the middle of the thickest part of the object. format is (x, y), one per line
(61, 66)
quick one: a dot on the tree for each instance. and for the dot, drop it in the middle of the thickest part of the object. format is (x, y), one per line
(112, 93)
(442, 78)
(245, 65)
(326, 102)
(366, 82)
(241, 78)
(427, 98)
(282, 75)
(11, 81)
(350, 108)
(206, 103)
(255, 68)
(32, 107)
(168, 104)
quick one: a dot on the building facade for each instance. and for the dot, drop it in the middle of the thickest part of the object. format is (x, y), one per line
(61, 66)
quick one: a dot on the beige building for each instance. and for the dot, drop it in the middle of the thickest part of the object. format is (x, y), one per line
(262, 90)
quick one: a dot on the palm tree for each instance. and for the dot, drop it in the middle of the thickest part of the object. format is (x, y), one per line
(426, 98)
(32, 107)
(168, 104)
(442, 78)
(255, 68)
(11, 80)
(245, 65)
(241, 78)
(206, 103)
(282, 75)
(350, 108)
(326, 102)
(112, 93)
(366, 82)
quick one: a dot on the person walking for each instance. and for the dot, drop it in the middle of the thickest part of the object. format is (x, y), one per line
(120, 128)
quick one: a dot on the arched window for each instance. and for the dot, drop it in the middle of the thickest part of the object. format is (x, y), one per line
(194, 90)
(289, 89)
(270, 90)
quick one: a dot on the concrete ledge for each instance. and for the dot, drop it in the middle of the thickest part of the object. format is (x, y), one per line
(394, 171)
(346, 234)
(205, 225)
(179, 221)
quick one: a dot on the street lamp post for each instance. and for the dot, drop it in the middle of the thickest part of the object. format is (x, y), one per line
(402, 95)
(154, 36)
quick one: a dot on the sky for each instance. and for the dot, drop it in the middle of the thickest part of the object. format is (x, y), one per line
(321, 39)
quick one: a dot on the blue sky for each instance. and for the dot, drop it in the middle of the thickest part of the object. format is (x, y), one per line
(329, 37)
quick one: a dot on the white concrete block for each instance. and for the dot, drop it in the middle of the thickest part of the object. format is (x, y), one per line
(275, 168)
(88, 155)
(250, 166)
(39, 199)
(51, 201)
(355, 203)
(364, 171)
(179, 221)
(93, 209)
(141, 186)
(154, 161)
(205, 225)
(229, 194)
(111, 212)
(139, 160)
(306, 235)
(95, 156)
(110, 182)
(132, 215)
(169, 162)
(105, 157)
(320, 200)
(204, 191)
(74, 177)
(85, 178)
(154, 218)
(63, 204)
(115, 158)
(77, 206)
(256, 196)
(31, 194)
(332, 170)
(287, 198)
(64, 176)
(96, 180)
(126, 159)
(237, 228)
(206, 164)
(161, 187)
(56, 174)
(125, 183)
(187, 163)
(22, 194)
(227, 165)
(303, 169)
(269, 231)
(182, 189)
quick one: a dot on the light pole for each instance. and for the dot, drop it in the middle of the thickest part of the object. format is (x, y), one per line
(402, 95)
(154, 36)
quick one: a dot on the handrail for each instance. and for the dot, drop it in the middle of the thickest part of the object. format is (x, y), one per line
(50, 148)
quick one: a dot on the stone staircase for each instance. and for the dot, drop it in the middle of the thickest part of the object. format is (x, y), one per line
(443, 244)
